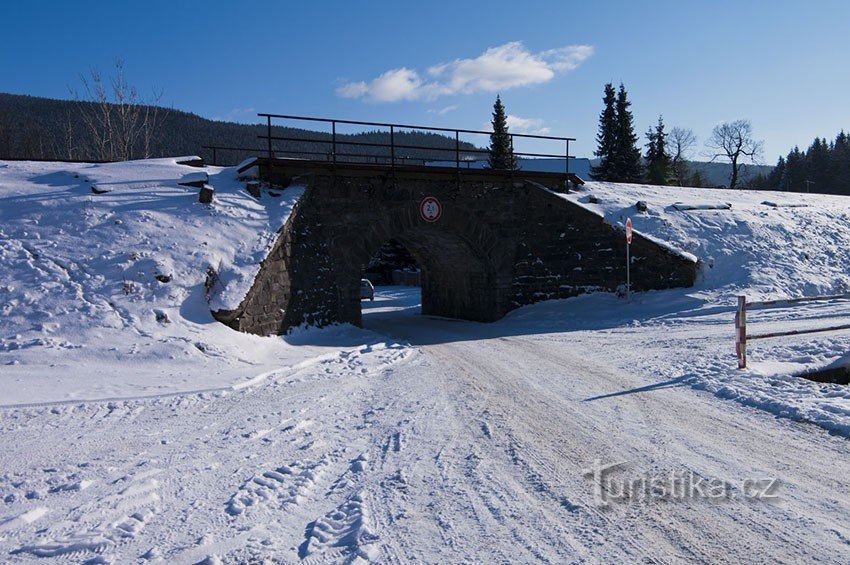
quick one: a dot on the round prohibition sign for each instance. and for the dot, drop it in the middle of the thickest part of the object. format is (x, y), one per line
(430, 209)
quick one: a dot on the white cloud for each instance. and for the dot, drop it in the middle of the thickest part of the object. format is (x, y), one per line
(532, 126)
(444, 111)
(567, 59)
(499, 68)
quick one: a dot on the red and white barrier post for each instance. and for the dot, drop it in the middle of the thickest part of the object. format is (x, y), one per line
(741, 332)
(628, 259)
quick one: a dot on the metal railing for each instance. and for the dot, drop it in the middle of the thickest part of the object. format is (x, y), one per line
(741, 336)
(341, 147)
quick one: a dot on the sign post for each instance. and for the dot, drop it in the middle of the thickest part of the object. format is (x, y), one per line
(628, 259)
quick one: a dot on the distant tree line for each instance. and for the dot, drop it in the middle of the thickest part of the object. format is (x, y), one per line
(823, 167)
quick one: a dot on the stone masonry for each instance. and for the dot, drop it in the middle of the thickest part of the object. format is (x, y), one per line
(500, 243)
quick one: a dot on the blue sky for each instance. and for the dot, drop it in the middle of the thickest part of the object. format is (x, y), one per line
(783, 65)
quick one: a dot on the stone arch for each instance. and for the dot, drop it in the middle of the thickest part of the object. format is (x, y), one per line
(466, 271)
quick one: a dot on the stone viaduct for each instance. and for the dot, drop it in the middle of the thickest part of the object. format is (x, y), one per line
(503, 240)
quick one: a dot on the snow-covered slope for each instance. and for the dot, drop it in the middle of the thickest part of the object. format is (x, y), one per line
(767, 245)
(102, 279)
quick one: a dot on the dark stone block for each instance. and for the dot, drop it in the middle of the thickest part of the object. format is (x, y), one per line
(205, 196)
(253, 188)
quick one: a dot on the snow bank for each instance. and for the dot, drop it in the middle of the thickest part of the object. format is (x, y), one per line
(102, 292)
(766, 252)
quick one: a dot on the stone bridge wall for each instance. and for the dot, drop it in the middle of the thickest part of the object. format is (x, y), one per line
(498, 245)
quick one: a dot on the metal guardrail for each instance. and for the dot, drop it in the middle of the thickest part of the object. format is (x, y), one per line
(338, 142)
(741, 336)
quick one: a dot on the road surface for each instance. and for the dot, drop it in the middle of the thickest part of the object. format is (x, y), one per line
(452, 442)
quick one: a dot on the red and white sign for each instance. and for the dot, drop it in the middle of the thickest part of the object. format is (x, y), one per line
(629, 231)
(430, 209)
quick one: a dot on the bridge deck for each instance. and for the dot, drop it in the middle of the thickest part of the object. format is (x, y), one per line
(291, 167)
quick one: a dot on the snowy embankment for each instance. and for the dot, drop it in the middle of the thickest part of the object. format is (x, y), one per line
(764, 245)
(102, 284)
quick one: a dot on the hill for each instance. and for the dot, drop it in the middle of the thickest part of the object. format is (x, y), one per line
(46, 128)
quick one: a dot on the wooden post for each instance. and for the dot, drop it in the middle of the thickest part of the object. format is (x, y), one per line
(741, 332)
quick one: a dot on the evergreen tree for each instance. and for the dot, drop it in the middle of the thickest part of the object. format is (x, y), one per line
(818, 161)
(773, 181)
(606, 139)
(840, 164)
(696, 179)
(627, 156)
(501, 148)
(658, 164)
(794, 175)
(824, 167)
(620, 159)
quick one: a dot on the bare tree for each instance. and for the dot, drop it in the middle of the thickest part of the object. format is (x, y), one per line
(70, 148)
(680, 142)
(734, 141)
(152, 117)
(116, 119)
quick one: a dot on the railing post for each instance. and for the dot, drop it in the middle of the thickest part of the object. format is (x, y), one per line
(214, 160)
(269, 135)
(512, 155)
(567, 158)
(333, 140)
(457, 150)
(741, 332)
(392, 147)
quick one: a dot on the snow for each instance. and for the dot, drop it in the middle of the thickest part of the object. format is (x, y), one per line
(85, 316)
(135, 427)
(800, 246)
(763, 252)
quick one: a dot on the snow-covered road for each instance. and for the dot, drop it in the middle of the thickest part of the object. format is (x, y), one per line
(469, 444)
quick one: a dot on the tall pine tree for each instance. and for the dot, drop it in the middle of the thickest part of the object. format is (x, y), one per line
(658, 164)
(606, 139)
(627, 162)
(501, 148)
(620, 159)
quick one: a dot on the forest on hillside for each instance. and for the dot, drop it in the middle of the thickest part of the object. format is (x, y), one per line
(43, 128)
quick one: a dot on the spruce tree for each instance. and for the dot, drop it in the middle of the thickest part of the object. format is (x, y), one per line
(774, 178)
(840, 164)
(658, 164)
(818, 165)
(627, 161)
(501, 148)
(696, 179)
(606, 139)
(795, 171)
